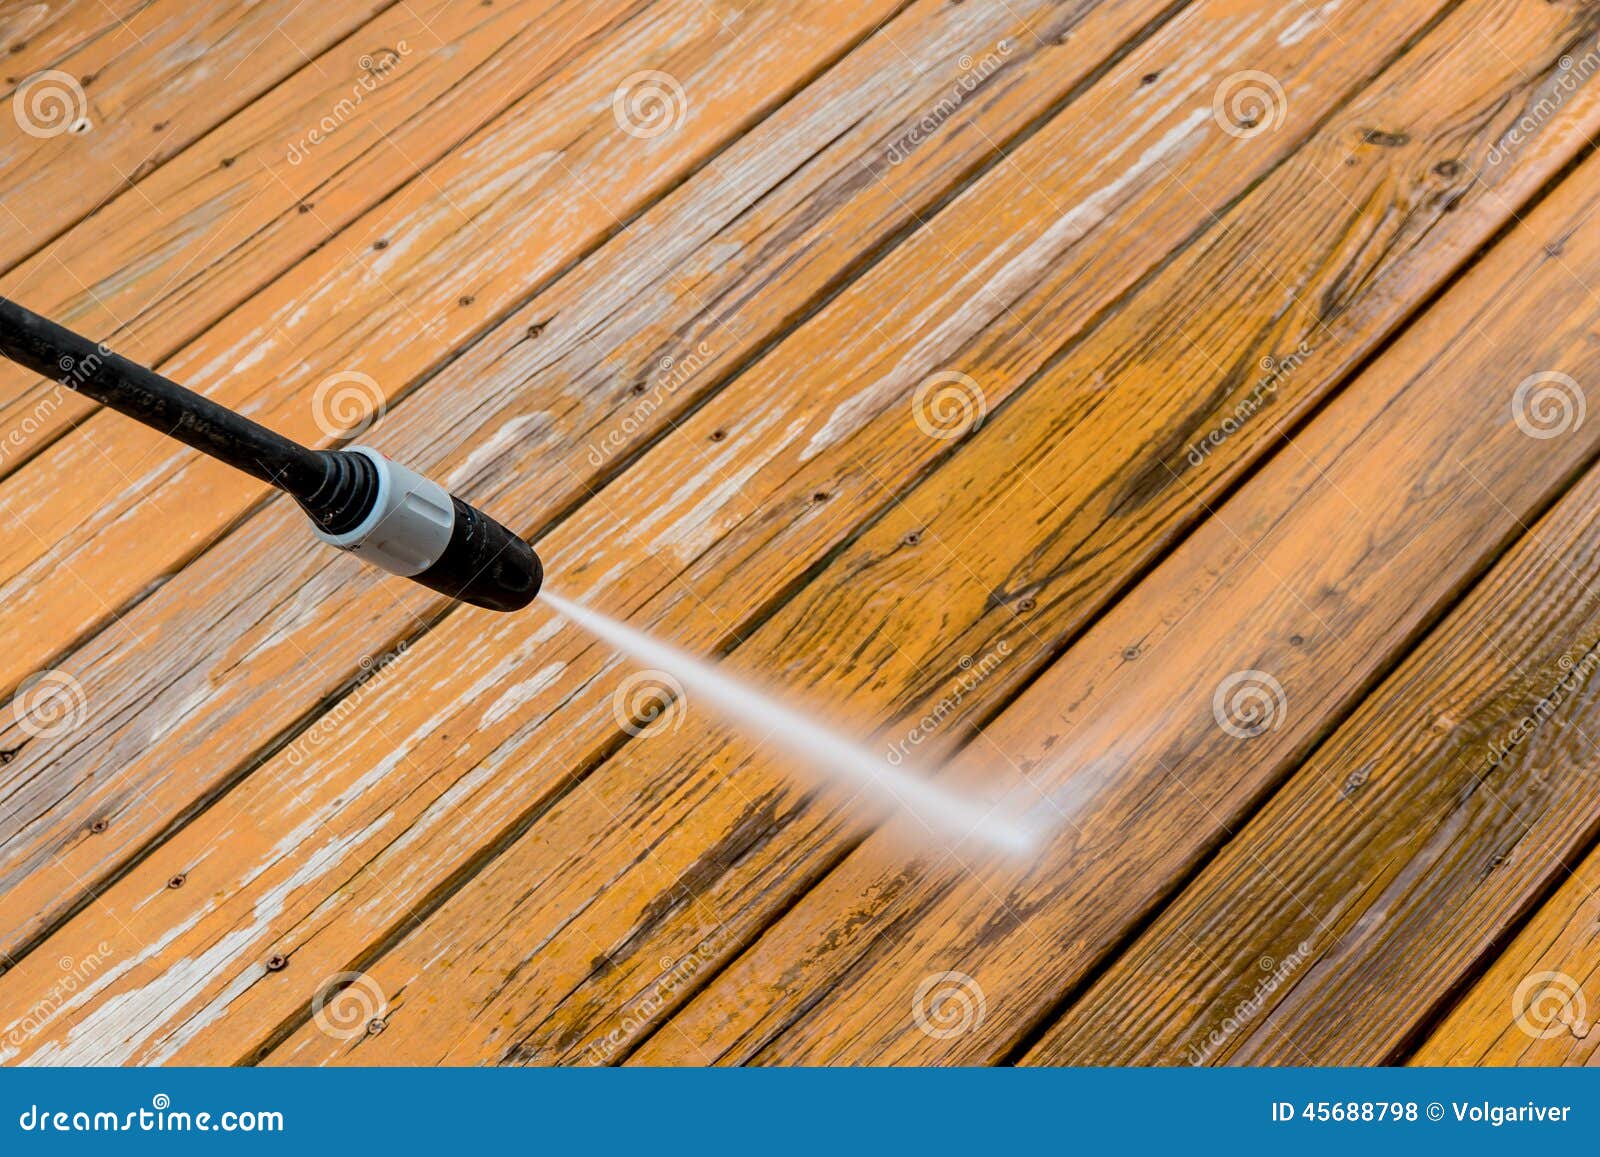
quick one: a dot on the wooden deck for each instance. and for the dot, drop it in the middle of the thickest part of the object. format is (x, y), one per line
(1174, 409)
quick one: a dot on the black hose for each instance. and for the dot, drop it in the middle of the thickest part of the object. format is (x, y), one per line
(360, 500)
(57, 353)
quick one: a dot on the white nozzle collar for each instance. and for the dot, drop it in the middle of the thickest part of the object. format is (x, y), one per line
(409, 525)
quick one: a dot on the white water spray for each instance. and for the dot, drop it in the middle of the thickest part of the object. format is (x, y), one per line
(937, 807)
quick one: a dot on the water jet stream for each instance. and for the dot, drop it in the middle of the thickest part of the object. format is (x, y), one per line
(938, 808)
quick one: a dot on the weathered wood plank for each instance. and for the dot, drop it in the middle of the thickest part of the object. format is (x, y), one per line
(1312, 574)
(441, 782)
(388, 300)
(542, 409)
(1536, 1003)
(130, 99)
(687, 847)
(157, 265)
(38, 36)
(1405, 848)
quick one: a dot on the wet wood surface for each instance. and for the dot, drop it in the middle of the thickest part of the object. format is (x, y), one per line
(1024, 386)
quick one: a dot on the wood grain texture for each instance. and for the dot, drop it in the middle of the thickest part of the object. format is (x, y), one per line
(1338, 921)
(459, 804)
(1312, 574)
(546, 405)
(145, 89)
(39, 34)
(388, 300)
(690, 845)
(1535, 1005)
(157, 265)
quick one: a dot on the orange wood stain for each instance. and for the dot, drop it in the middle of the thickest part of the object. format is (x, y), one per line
(539, 401)
(688, 361)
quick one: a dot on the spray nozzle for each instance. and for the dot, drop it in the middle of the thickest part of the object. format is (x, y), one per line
(392, 517)
(359, 500)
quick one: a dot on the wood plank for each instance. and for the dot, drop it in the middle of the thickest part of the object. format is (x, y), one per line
(441, 782)
(710, 275)
(137, 96)
(1401, 852)
(584, 939)
(389, 300)
(738, 268)
(1311, 575)
(1535, 1005)
(38, 36)
(159, 264)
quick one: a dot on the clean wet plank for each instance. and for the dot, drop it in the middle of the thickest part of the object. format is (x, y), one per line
(1400, 856)
(1536, 1003)
(1299, 590)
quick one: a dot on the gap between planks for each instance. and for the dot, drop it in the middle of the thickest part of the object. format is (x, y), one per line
(659, 1055)
(232, 191)
(455, 925)
(1194, 48)
(292, 581)
(54, 180)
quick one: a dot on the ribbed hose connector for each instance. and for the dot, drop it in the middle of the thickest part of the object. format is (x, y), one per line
(394, 518)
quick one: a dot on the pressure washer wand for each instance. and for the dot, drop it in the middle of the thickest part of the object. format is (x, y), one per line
(358, 500)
